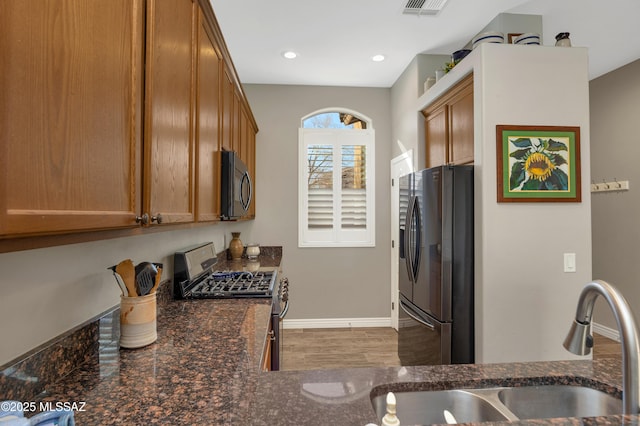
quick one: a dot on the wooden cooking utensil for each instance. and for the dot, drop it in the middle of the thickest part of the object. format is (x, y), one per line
(128, 273)
(155, 286)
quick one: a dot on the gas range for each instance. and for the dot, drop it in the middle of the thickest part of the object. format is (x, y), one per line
(195, 277)
(229, 284)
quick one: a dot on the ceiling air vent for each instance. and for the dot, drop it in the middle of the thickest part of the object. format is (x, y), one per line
(424, 7)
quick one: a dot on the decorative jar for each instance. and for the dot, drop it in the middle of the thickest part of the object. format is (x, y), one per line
(563, 40)
(253, 251)
(235, 246)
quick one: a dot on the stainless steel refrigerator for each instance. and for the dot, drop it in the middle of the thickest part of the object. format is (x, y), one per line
(436, 321)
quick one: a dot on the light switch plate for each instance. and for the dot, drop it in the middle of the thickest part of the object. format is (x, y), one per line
(569, 262)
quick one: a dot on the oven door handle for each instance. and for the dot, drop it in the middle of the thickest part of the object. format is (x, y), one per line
(283, 313)
(407, 310)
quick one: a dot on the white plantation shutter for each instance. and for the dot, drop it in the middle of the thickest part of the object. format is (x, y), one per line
(320, 211)
(353, 213)
(336, 170)
(353, 208)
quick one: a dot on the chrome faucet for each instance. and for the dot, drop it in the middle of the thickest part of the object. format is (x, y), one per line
(580, 341)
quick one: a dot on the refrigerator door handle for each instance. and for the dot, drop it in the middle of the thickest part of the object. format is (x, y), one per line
(415, 317)
(409, 239)
(418, 242)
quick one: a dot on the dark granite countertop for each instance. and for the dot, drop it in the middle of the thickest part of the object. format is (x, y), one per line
(343, 397)
(206, 358)
(204, 369)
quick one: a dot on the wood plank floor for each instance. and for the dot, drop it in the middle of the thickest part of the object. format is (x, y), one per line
(321, 348)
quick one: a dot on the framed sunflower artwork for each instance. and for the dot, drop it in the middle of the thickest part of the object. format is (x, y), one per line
(538, 163)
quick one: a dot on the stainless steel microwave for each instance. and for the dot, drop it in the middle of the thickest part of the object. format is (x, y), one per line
(237, 189)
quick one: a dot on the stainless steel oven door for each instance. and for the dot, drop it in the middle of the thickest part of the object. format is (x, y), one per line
(422, 340)
(279, 311)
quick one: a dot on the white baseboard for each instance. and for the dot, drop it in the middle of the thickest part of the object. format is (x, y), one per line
(606, 331)
(336, 322)
(386, 322)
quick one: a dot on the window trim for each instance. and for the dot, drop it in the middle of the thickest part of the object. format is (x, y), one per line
(336, 237)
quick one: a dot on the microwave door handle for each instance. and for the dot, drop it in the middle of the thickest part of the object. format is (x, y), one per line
(247, 202)
(415, 317)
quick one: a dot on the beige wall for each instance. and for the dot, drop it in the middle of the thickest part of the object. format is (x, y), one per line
(326, 283)
(46, 292)
(407, 123)
(526, 301)
(615, 147)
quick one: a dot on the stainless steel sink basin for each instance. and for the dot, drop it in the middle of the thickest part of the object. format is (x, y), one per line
(499, 404)
(424, 408)
(535, 402)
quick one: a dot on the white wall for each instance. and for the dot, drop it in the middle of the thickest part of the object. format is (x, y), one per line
(524, 301)
(46, 292)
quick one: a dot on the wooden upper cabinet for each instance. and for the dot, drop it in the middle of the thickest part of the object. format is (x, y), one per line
(449, 126)
(70, 116)
(437, 135)
(236, 125)
(461, 126)
(169, 147)
(208, 127)
(227, 88)
(247, 150)
(251, 146)
(113, 111)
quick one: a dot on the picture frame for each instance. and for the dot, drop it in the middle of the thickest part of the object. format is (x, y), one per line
(538, 164)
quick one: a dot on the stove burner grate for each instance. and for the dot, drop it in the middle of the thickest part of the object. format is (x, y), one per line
(226, 284)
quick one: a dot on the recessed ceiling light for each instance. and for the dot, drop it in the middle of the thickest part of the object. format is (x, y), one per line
(290, 54)
(378, 58)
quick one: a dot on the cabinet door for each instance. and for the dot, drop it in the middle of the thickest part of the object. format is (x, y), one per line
(170, 109)
(208, 136)
(243, 130)
(247, 153)
(227, 99)
(437, 137)
(70, 116)
(461, 126)
(236, 127)
(252, 168)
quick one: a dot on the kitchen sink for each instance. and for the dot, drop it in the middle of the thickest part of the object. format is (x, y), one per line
(427, 407)
(534, 402)
(499, 404)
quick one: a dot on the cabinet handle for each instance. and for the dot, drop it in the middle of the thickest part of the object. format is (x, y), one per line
(157, 218)
(143, 220)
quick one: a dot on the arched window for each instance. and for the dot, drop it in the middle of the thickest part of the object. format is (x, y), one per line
(334, 120)
(336, 179)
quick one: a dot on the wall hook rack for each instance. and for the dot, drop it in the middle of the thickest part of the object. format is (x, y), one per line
(615, 185)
